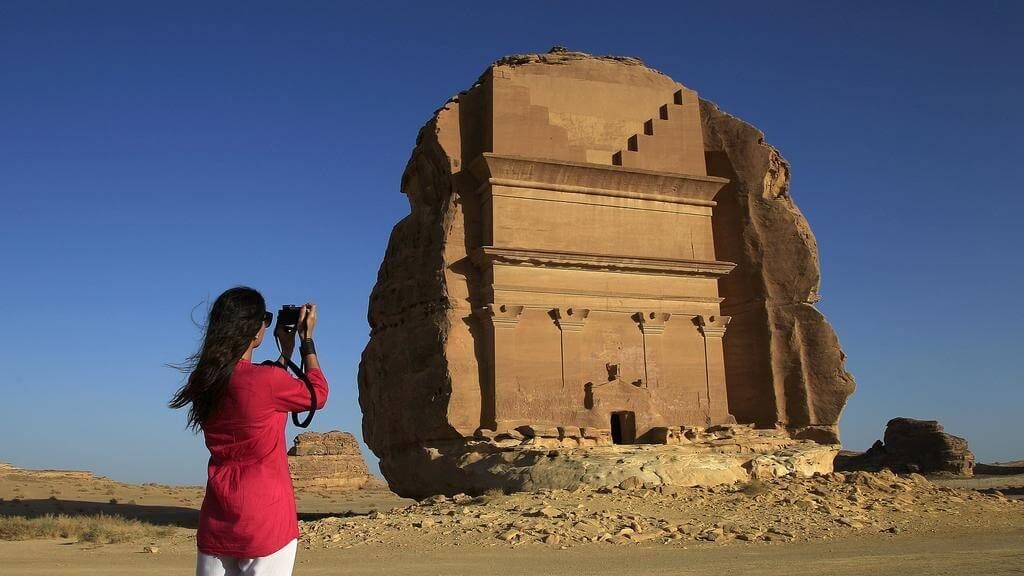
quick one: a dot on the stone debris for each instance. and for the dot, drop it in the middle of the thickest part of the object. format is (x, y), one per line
(784, 509)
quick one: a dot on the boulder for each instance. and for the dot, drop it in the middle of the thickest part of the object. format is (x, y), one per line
(330, 460)
(913, 446)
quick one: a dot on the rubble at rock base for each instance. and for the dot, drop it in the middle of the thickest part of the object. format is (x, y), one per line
(780, 510)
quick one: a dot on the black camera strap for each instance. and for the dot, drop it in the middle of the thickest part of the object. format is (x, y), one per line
(309, 386)
(312, 396)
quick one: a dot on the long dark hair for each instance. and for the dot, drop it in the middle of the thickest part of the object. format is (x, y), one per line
(233, 321)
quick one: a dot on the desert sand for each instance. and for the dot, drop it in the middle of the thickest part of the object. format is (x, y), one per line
(836, 524)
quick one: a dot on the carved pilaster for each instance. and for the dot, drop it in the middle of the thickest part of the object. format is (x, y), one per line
(652, 325)
(713, 326)
(570, 323)
(570, 319)
(713, 329)
(502, 315)
(501, 319)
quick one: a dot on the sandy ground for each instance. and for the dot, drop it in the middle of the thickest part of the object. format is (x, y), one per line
(954, 553)
(977, 534)
(1011, 485)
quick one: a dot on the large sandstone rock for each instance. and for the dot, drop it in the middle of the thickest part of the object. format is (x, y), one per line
(563, 266)
(914, 446)
(329, 460)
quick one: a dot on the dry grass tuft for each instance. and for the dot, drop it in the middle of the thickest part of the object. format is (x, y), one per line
(99, 528)
(492, 496)
(756, 487)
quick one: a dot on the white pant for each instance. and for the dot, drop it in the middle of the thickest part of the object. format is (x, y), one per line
(279, 563)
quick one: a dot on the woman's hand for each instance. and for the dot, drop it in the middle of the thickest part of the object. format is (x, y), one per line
(285, 339)
(307, 320)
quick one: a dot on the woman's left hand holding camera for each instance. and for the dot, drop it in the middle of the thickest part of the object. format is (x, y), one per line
(286, 341)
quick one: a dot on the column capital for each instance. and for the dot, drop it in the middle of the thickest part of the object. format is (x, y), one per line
(651, 322)
(570, 319)
(713, 326)
(501, 315)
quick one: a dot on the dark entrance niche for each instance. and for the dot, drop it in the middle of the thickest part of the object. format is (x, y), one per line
(623, 427)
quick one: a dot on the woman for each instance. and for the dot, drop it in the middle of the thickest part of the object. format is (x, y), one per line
(248, 523)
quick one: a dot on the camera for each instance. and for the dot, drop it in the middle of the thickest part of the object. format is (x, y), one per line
(288, 317)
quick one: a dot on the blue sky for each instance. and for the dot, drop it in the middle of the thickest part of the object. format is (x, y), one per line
(155, 154)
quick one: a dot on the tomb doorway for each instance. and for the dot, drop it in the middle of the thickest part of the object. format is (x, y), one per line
(623, 427)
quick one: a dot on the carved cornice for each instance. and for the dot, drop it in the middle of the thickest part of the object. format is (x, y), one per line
(501, 315)
(652, 323)
(560, 294)
(597, 179)
(601, 262)
(713, 326)
(570, 319)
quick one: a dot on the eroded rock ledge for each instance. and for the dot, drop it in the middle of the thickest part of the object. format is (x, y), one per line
(569, 458)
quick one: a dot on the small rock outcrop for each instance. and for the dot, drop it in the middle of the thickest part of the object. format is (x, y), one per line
(328, 460)
(913, 446)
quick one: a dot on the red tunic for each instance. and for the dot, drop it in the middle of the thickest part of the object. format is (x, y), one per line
(249, 508)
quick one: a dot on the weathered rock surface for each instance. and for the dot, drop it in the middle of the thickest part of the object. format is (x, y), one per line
(914, 446)
(784, 363)
(563, 265)
(328, 460)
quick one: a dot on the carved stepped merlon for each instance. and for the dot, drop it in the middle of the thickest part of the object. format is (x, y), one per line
(670, 142)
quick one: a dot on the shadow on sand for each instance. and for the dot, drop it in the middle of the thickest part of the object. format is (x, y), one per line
(182, 516)
(161, 515)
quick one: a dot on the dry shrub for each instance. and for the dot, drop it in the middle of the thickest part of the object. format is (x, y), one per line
(99, 528)
(492, 496)
(756, 487)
